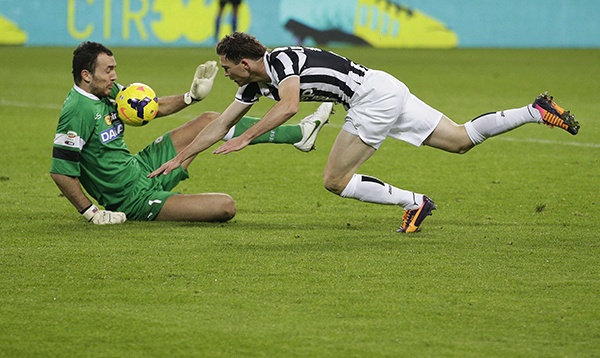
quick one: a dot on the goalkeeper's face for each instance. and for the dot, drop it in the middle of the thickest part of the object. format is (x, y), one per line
(100, 82)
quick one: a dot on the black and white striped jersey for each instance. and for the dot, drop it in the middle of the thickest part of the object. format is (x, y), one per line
(324, 76)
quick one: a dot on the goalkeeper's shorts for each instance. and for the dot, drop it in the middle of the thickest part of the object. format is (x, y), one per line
(148, 195)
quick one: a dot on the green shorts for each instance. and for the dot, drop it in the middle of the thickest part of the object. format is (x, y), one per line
(148, 196)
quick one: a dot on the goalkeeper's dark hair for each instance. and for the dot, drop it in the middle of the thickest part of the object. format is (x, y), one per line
(240, 45)
(85, 56)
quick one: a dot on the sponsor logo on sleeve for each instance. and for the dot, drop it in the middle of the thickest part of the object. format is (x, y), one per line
(70, 139)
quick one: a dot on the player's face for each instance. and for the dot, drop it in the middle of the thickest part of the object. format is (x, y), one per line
(104, 76)
(237, 73)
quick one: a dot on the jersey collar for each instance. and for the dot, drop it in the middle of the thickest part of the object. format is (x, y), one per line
(86, 94)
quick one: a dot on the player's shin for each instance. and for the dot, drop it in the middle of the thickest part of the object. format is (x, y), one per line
(372, 190)
(495, 123)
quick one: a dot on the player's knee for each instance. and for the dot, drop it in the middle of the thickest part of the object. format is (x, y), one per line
(458, 145)
(450, 137)
(334, 184)
(463, 148)
(227, 209)
(463, 142)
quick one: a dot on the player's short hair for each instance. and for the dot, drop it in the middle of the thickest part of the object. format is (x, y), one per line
(85, 56)
(240, 45)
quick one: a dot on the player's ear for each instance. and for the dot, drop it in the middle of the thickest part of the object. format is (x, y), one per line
(245, 64)
(86, 76)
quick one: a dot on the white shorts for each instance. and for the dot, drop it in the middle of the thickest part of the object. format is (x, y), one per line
(384, 107)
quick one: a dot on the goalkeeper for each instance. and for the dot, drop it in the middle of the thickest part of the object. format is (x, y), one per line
(89, 150)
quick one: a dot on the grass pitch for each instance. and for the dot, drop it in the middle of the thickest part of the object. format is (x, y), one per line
(507, 265)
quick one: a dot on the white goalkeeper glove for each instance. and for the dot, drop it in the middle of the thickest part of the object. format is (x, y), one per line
(103, 217)
(202, 83)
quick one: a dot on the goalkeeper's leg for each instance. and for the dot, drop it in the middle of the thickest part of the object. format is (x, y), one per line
(217, 207)
(306, 131)
(285, 134)
(185, 134)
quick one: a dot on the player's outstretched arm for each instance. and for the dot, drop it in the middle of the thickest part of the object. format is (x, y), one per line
(280, 113)
(71, 188)
(212, 133)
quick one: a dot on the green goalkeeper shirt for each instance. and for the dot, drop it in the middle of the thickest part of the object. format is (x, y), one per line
(89, 145)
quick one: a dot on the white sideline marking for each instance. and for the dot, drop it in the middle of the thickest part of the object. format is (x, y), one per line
(29, 105)
(553, 142)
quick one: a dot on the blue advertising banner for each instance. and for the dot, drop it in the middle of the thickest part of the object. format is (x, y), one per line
(377, 23)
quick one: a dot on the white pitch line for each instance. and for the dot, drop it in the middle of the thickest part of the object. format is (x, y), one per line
(553, 142)
(29, 105)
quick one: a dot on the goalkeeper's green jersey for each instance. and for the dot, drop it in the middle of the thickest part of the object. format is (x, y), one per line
(89, 145)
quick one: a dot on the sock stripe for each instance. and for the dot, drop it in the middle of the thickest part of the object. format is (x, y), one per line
(483, 115)
(372, 180)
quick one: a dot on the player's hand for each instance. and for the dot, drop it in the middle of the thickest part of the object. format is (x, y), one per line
(232, 145)
(203, 80)
(166, 168)
(103, 217)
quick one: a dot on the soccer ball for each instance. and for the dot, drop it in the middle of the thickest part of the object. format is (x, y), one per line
(137, 104)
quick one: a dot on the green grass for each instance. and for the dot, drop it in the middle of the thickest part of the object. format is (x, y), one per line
(507, 266)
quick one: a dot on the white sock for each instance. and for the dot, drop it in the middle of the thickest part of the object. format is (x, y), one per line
(494, 123)
(373, 190)
(229, 134)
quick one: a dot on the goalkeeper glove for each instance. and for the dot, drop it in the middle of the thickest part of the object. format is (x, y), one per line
(103, 217)
(202, 83)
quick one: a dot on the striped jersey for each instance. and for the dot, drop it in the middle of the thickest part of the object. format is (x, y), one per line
(324, 76)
